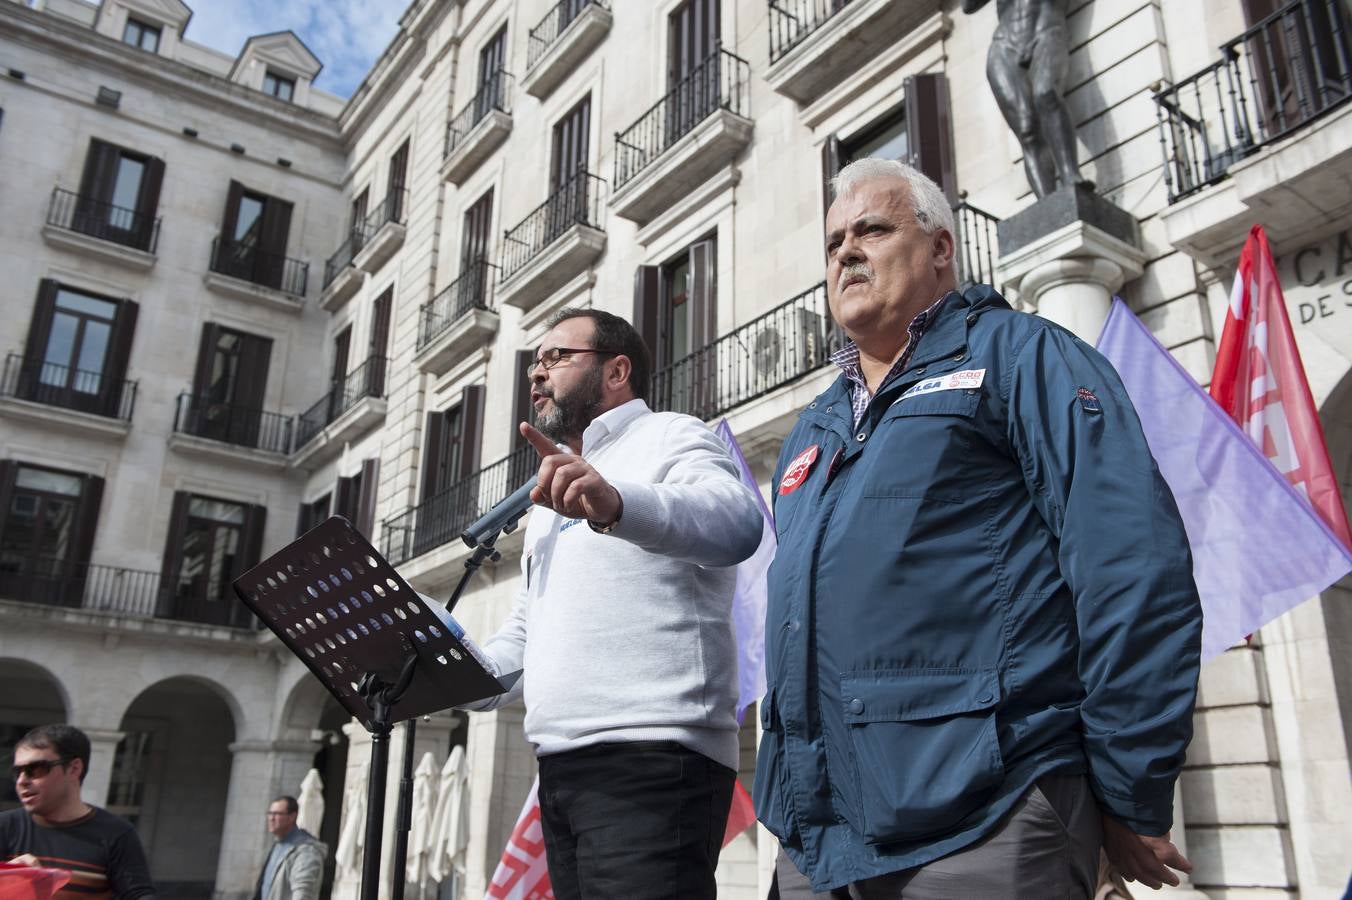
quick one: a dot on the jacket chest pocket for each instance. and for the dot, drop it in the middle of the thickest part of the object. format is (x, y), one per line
(922, 447)
(923, 749)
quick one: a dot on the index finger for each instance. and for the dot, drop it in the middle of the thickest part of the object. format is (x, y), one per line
(543, 445)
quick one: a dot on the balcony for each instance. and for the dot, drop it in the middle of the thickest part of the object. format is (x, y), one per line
(478, 129)
(977, 245)
(245, 272)
(341, 277)
(457, 320)
(112, 233)
(1261, 134)
(816, 45)
(68, 399)
(561, 40)
(227, 431)
(382, 234)
(110, 589)
(554, 244)
(698, 128)
(351, 408)
(438, 520)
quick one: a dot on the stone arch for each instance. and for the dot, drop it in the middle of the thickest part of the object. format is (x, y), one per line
(172, 777)
(30, 695)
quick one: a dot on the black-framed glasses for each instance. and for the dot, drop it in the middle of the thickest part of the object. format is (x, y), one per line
(38, 768)
(555, 355)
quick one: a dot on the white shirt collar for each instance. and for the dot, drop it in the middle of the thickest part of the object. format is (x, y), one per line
(611, 422)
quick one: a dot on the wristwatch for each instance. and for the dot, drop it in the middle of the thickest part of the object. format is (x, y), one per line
(607, 529)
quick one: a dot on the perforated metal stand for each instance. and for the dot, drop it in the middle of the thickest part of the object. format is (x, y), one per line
(344, 611)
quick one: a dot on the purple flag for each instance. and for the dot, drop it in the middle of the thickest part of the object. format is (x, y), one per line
(1258, 549)
(748, 604)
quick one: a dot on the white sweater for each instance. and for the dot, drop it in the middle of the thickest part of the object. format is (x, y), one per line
(628, 636)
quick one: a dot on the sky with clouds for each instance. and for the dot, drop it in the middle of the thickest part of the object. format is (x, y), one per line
(347, 35)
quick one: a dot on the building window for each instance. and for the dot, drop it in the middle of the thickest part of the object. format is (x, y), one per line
(141, 35)
(884, 140)
(570, 145)
(676, 312)
(47, 522)
(313, 513)
(279, 86)
(254, 234)
(452, 445)
(77, 350)
(396, 184)
(211, 542)
(119, 192)
(228, 387)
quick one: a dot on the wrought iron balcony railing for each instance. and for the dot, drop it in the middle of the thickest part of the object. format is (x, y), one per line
(576, 202)
(391, 209)
(977, 244)
(472, 290)
(367, 380)
(721, 81)
(1280, 74)
(231, 423)
(552, 26)
(135, 593)
(494, 94)
(88, 216)
(791, 21)
(248, 262)
(440, 518)
(56, 385)
(789, 341)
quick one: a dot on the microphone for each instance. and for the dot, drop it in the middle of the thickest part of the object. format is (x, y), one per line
(501, 518)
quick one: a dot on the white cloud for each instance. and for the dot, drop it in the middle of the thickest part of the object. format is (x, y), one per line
(346, 35)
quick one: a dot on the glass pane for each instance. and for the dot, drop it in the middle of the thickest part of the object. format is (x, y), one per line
(126, 188)
(224, 546)
(246, 225)
(217, 510)
(49, 482)
(887, 142)
(58, 526)
(60, 349)
(90, 306)
(21, 525)
(196, 548)
(93, 349)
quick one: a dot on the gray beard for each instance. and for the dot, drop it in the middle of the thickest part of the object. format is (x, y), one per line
(573, 411)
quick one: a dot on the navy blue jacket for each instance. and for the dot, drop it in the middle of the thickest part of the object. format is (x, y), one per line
(983, 582)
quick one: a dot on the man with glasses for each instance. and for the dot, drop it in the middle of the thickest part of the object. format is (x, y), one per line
(294, 868)
(55, 829)
(623, 621)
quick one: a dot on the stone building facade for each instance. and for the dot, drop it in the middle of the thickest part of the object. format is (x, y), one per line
(241, 304)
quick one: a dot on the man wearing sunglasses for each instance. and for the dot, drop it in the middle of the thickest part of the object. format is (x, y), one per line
(56, 829)
(623, 623)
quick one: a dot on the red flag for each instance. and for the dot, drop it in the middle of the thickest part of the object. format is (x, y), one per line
(1260, 382)
(523, 874)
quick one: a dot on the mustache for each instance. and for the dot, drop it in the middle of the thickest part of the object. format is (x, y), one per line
(854, 270)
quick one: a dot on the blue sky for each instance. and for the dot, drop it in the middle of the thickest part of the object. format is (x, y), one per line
(346, 35)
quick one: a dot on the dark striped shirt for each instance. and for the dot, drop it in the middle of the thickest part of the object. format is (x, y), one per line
(101, 851)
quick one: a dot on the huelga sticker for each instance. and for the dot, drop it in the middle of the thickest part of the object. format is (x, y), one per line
(798, 470)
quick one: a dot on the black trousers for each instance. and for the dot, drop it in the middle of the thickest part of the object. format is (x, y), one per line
(633, 821)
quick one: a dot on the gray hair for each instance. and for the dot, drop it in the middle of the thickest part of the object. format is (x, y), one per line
(931, 206)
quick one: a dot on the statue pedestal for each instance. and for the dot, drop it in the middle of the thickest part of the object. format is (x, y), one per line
(1067, 255)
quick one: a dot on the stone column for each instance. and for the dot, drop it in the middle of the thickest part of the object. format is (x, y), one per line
(102, 752)
(255, 771)
(1067, 255)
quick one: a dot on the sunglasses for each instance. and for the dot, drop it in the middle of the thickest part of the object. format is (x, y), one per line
(38, 768)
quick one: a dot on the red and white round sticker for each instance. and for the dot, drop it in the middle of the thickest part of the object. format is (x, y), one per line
(798, 470)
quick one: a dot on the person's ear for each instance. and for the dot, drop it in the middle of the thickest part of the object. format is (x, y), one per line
(77, 767)
(620, 369)
(944, 249)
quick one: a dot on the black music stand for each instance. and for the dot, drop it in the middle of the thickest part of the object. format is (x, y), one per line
(335, 602)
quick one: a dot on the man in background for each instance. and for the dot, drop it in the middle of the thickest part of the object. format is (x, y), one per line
(55, 829)
(295, 865)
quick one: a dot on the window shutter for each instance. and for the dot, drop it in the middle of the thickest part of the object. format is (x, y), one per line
(206, 354)
(87, 519)
(119, 356)
(255, 354)
(100, 171)
(830, 168)
(148, 202)
(366, 497)
(233, 196)
(647, 307)
(251, 551)
(273, 231)
(433, 451)
(521, 408)
(394, 190)
(9, 472)
(704, 325)
(40, 326)
(173, 550)
(929, 135)
(380, 326)
(471, 429)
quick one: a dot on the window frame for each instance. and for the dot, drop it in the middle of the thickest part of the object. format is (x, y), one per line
(143, 29)
(278, 81)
